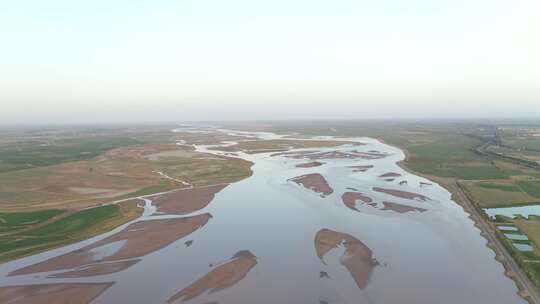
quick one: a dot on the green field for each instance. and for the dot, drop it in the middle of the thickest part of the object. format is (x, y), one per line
(17, 157)
(76, 222)
(491, 195)
(502, 187)
(15, 221)
(72, 228)
(531, 187)
(527, 143)
(451, 155)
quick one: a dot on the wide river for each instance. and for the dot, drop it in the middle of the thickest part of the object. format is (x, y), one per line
(351, 226)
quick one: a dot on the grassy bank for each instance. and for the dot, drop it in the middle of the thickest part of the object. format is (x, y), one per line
(69, 229)
(10, 222)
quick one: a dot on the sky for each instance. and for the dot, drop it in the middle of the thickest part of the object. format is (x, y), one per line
(163, 60)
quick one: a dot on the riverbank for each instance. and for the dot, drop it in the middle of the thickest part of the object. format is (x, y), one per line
(527, 290)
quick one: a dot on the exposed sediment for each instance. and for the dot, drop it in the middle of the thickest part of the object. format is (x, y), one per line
(96, 269)
(402, 194)
(361, 168)
(336, 154)
(390, 175)
(357, 257)
(186, 201)
(400, 208)
(221, 277)
(350, 198)
(63, 293)
(136, 240)
(309, 165)
(315, 182)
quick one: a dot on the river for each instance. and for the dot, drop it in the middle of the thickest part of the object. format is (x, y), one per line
(272, 239)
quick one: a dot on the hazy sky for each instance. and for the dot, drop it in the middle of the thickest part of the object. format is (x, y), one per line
(103, 60)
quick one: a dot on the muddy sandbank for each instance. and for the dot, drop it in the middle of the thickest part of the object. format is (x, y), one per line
(400, 208)
(357, 257)
(390, 175)
(361, 168)
(186, 201)
(402, 194)
(63, 293)
(315, 182)
(136, 240)
(350, 198)
(309, 165)
(219, 278)
(96, 269)
(336, 154)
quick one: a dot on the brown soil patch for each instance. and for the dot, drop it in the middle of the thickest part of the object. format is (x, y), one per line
(350, 198)
(402, 194)
(399, 208)
(315, 182)
(75, 293)
(371, 155)
(280, 145)
(140, 238)
(357, 258)
(309, 165)
(96, 269)
(390, 174)
(337, 155)
(334, 155)
(294, 154)
(221, 277)
(361, 168)
(187, 200)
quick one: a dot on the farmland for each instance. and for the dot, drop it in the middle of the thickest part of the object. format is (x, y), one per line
(56, 187)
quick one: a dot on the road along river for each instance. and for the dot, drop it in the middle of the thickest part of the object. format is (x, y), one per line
(332, 225)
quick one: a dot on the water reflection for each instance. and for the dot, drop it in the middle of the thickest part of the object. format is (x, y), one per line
(437, 254)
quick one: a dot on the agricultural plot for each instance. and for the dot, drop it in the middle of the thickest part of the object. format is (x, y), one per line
(501, 193)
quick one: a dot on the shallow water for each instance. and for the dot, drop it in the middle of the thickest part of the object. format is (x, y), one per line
(519, 237)
(523, 247)
(507, 228)
(524, 211)
(413, 251)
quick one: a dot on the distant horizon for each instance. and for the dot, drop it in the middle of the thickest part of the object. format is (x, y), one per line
(105, 61)
(502, 120)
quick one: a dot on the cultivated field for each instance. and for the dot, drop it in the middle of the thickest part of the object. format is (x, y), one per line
(49, 179)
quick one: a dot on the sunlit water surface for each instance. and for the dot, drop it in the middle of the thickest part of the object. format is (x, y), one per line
(434, 256)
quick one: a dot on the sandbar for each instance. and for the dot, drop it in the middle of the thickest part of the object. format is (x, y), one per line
(357, 258)
(186, 201)
(63, 293)
(315, 182)
(402, 194)
(219, 278)
(350, 198)
(138, 239)
(309, 165)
